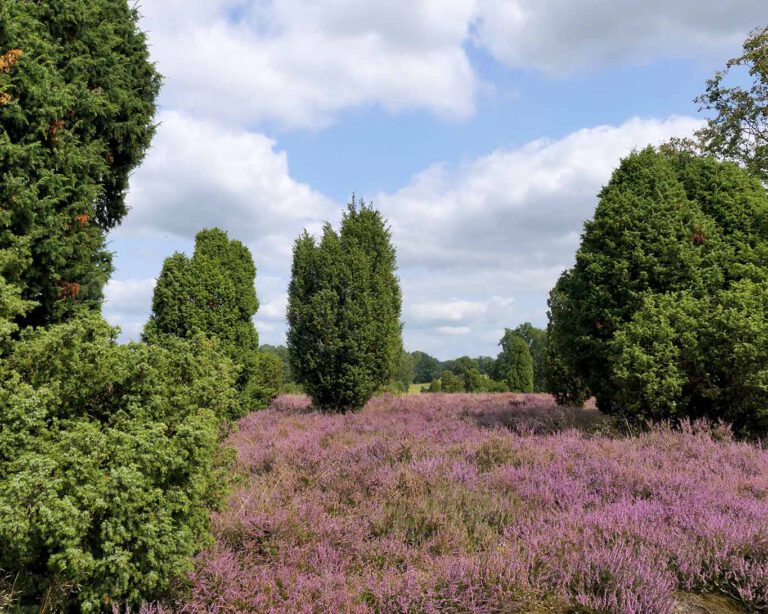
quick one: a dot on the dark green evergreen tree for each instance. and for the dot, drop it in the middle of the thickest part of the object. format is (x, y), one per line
(514, 364)
(77, 101)
(536, 339)
(212, 293)
(344, 336)
(668, 222)
(450, 382)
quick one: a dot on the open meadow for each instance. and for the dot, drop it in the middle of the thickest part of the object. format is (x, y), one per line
(484, 503)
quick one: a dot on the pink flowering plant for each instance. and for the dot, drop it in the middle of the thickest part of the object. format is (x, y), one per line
(483, 503)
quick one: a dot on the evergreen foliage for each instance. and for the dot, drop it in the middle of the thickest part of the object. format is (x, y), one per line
(450, 382)
(668, 222)
(264, 381)
(698, 357)
(11, 304)
(404, 373)
(514, 364)
(77, 101)
(282, 353)
(344, 336)
(109, 463)
(474, 380)
(536, 339)
(435, 386)
(213, 293)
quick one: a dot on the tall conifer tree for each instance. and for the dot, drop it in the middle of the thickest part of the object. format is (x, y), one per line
(514, 364)
(344, 335)
(77, 101)
(212, 293)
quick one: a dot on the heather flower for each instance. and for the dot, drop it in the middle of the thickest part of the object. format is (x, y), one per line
(481, 504)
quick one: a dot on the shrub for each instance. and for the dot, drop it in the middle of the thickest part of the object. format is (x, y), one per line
(266, 381)
(514, 364)
(473, 380)
(490, 385)
(213, 294)
(667, 223)
(109, 463)
(686, 357)
(77, 101)
(344, 335)
(451, 382)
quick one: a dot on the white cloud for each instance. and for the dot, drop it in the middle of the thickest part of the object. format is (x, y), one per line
(454, 331)
(127, 303)
(515, 209)
(300, 62)
(504, 226)
(200, 174)
(561, 36)
(456, 310)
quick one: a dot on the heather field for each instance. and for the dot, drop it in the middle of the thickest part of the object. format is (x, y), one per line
(484, 503)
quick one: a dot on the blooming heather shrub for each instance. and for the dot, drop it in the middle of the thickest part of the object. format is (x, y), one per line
(465, 503)
(109, 464)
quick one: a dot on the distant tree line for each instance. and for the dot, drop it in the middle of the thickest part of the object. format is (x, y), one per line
(519, 367)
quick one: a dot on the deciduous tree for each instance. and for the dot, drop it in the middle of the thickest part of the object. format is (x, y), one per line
(738, 130)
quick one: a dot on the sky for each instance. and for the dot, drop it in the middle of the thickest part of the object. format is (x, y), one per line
(482, 129)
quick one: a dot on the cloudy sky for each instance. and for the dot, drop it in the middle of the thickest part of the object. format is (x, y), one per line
(483, 129)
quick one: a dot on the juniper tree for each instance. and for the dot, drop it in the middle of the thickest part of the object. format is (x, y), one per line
(536, 339)
(514, 364)
(668, 223)
(77, 101)
(212, 293)
(451, 383)
(344, 336)
(109, 464)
